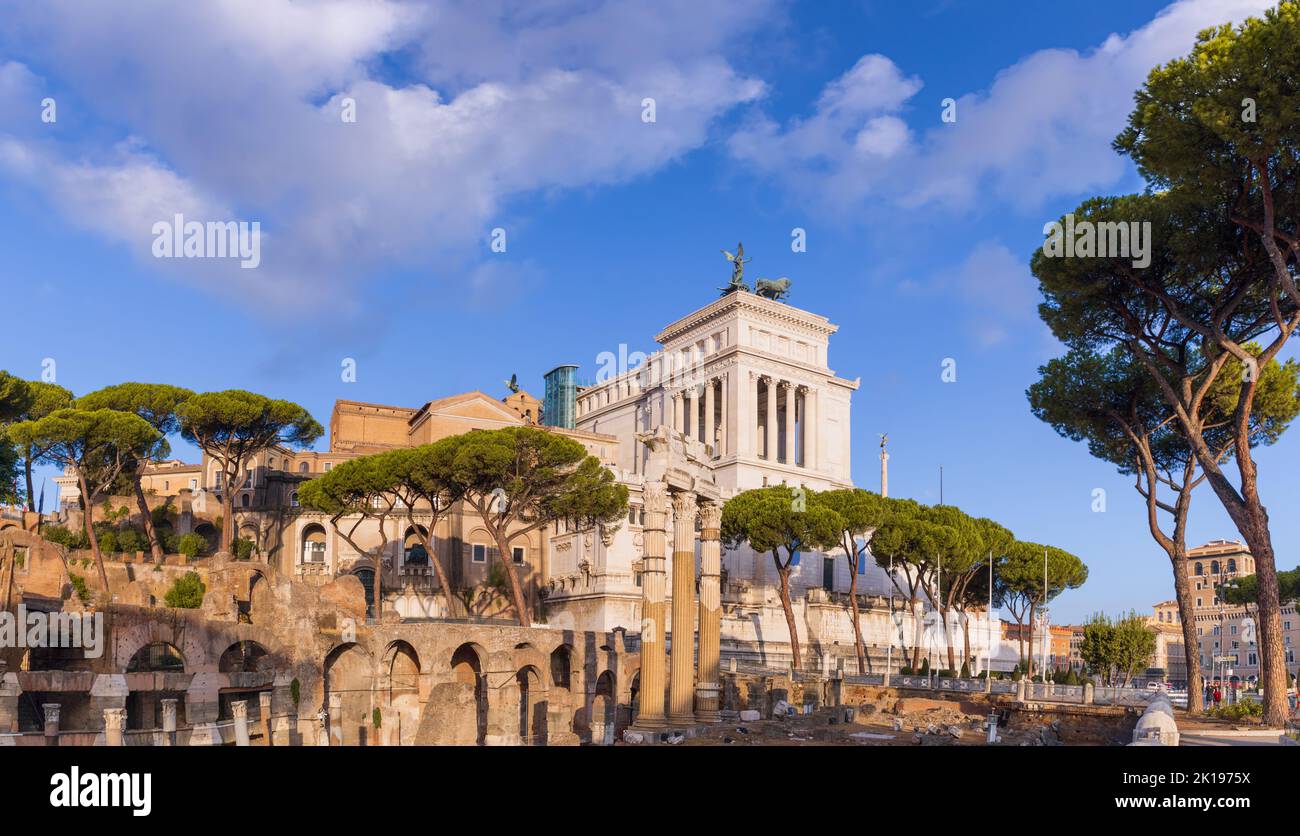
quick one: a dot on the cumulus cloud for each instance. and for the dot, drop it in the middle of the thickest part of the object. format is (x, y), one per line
(1042, 129)
(232, 110)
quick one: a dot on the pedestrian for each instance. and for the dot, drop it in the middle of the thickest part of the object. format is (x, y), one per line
(1218, 695)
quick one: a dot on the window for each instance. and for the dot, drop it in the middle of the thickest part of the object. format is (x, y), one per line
(1252, 660)
(248, 477)
(1214, 567)
(313, 543)
(329, 466)
(479, 554)
(413, 550)
(243, 500)
(166, 485)
(293, 499)
(518, 554)
(1234, 629)
(1198, 602)
(304, 468)
(1232, 565)
(1200, 570)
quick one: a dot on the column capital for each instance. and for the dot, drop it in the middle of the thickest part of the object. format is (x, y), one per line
(655, 497)
(684, 504)
(51, 710)
(710, 519)
(785, 384)
(239, 709)
(114, 719)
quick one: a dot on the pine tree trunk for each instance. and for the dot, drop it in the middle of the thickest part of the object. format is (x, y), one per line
(858, 645)
(87, 513)
(146, 518)
(516, 589)
(784, 574)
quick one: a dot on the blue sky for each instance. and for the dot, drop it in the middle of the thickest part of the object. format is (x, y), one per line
(823, 116)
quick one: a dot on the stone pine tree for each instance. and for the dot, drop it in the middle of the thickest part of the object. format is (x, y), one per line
(972, 586)
(30, 400)
(15, 398)
(522, 479)
(233, 427)
(358, 491)
(156, 403)
(1110, 402)
(858, 514)
(97, 445)
(781, 519)
(1032, 576)
(955, 567)
(420, 482)
(1217, 137)
(906, 545)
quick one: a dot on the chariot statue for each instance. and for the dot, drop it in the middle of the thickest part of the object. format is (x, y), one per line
(738, 262)
(774, 289)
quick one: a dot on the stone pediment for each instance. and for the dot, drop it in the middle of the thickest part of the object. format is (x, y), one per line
(468, 405)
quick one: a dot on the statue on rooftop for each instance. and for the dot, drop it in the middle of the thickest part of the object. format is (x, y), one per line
(738, 262)
(512, 384)
(774, 289)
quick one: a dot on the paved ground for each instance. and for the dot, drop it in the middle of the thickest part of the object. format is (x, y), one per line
(1228, 739)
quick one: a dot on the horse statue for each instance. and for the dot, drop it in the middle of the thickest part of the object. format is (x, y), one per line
(774, 289)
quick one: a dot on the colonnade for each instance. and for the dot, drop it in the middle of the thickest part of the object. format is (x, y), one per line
(691, 694)
(775, 419)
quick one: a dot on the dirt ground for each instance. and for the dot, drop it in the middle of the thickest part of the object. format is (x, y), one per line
(881, 717)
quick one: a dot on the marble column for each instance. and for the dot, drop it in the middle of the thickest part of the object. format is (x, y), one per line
(678, 412)
(707, 687)
(681, 696)
(771, 421)
(810, 429)
(239, 709)
(724, 414)
(709, 424)
(789, 422)
(264, 712)
(51, 711)
(114, 724)
(693, 410)
(169, 720)
(651, 714)
(747, 416)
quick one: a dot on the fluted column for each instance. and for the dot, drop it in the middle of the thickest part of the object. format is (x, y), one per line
(724, 413)
(678, 411)
(810, 428)
(709, 423)
(789, 421)
(239, 710)
(771, 421)
(651, 713)
(693, 409)
(681, 695)
(707, 687)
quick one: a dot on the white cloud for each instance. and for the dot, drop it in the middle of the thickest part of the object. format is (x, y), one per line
(1042, 129)
(231, 110)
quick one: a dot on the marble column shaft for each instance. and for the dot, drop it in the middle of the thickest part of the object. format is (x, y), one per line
(651, 713)
(709, 423)
(770, 452)
(789, 423)
(707, 688)
(681, 697)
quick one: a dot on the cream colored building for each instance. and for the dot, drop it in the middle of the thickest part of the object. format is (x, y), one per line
(740, 395)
